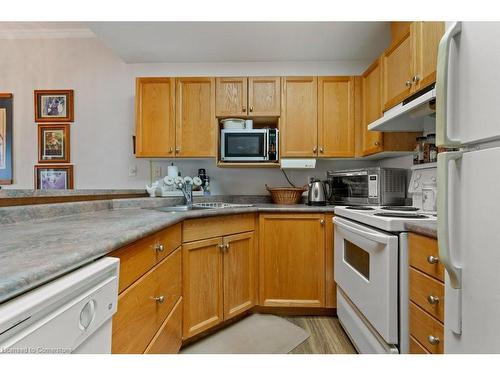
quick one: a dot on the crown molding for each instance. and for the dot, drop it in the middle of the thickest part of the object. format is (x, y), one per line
(46, 34)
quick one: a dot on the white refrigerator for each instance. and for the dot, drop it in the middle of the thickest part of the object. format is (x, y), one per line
(468, 118)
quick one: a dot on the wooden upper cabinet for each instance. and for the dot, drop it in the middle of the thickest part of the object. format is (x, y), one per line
(397, 71)
(371, 142)
(292, 260)
(427, 37)
(231, 97)
(239, 274)
(299, 117)
(336, 116)
(202, 287)
(264, 96)
(409, 64)
(155, 120)
(195, 117)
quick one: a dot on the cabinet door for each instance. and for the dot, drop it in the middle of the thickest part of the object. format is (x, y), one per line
(195, 117)
(231, 95)
(202, 285)
(299, 115)
(239, 274)
(264, 96)
(427, 37)
(397, 71)
(336, 116)
(155, 126)
(292, 260)
(372, 142)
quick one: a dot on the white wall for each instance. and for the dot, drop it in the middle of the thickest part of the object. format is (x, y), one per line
(101, 136)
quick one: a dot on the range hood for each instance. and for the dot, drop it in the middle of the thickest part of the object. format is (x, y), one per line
(409, 115)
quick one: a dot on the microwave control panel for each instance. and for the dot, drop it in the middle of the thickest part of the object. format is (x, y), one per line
(373, 186)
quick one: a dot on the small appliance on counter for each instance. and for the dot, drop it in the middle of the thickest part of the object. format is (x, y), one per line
(317, 194)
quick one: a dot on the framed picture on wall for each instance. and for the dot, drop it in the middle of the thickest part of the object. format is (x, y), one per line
(5, 139)
(53, 177)
(54, 106)
(53, 143)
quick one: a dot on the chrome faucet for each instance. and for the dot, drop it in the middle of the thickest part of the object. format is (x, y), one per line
(187, 191)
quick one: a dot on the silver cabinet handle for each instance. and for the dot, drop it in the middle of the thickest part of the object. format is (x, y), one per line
(227, 246)
(159, 299)
(433, 340)
(315, 149)
(160, 248)
(321, 149)
(177, 149)
(322, 222)
(377, 143)
(251, 109)
(221, 246)
(433, 300)
(442, 76)
(243, 110)
(408, 83)
(432, 259)
(170, 150)
(415, 78)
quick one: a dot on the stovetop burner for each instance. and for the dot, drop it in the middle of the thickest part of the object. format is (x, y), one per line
(403, 215)
(360, 208)
(400, 208)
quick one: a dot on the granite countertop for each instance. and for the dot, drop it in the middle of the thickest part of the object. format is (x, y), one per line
(429, 230)
(35, 251)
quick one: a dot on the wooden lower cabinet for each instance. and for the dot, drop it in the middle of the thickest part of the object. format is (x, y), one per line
(168, 339)
(219, 280)
(202, 286)
(292, 260)
(144, 306)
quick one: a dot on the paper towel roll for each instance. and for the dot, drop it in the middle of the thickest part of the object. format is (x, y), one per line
(173, 171)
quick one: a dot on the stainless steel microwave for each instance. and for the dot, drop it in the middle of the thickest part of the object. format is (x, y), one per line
(368, 186)
(249, 144)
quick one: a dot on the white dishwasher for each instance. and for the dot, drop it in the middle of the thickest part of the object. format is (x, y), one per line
(71, 314)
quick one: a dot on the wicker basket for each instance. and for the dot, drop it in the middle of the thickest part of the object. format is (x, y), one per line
(286, 195)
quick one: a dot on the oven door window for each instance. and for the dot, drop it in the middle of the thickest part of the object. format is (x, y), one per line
(357, 258)
(350, 186)
(244, 144)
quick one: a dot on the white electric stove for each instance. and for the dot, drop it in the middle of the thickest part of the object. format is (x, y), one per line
(371, 272)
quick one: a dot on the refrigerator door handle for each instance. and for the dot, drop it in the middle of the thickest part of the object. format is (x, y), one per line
(442, 75)
(445, 253)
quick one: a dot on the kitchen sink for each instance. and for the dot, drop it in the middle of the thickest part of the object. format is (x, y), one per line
(200, 206)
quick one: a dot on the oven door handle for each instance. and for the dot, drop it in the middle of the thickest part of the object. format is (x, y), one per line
(380, 238)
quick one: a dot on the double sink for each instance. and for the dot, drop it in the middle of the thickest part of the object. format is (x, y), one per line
(200, 206)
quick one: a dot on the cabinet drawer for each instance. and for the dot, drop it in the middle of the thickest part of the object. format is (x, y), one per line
(421, 248)
(139, 316)
(199, 229)
(138, 258)
(168, 339)
(423, 289)
(423, 327)
(416, 347)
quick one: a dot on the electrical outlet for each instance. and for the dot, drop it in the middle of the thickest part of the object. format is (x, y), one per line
(156, 172)
(132, 170)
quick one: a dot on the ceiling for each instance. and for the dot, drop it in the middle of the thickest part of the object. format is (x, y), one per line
(192, 42)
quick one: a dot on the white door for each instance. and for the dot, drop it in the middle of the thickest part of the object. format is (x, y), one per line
(468, 83)
(471, 239)
(366, 269)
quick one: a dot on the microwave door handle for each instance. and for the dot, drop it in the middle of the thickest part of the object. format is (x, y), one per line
(266, 145)
(380, 238)
(442, 76)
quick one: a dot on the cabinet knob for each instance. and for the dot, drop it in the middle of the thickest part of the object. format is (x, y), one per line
(432, 259)
(408, 83)
(322, 222)
(159, 299)
(170, 150)
(177, 149)
(416, 78)
(160, 248)
(321, 149)
(221, 246)
(377, 143)
(251, 109)
(227, 246)
(432, 299)
(433, 340)
(243, 110)
(315, 149)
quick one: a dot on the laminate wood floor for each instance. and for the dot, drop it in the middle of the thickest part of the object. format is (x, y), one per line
(327, 336)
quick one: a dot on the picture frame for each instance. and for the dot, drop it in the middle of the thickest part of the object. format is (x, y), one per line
(54, 105)
(53, 177)
(54, 143)
(6, 141)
